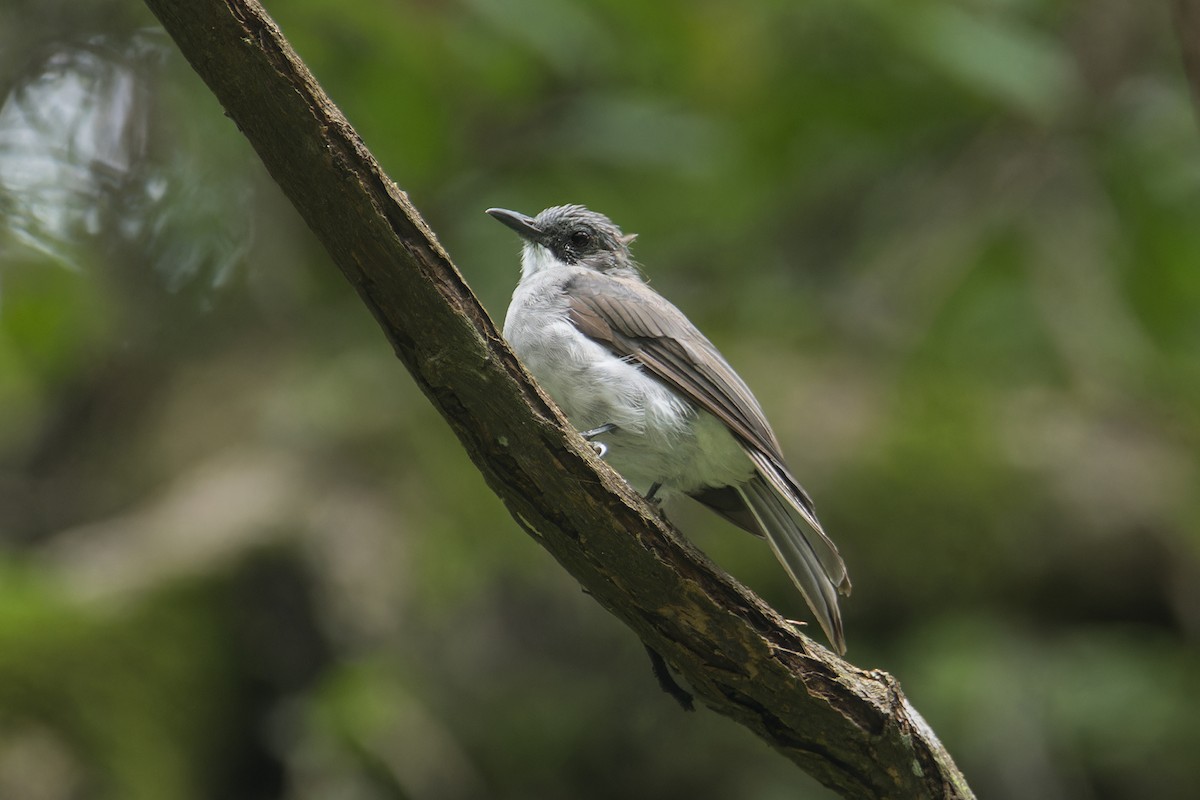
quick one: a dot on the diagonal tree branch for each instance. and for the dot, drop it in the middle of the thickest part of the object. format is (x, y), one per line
(851, 729)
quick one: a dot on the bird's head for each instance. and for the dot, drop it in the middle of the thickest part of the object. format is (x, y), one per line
(569, 236)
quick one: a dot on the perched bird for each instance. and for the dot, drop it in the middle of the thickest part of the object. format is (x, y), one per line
(665, 408)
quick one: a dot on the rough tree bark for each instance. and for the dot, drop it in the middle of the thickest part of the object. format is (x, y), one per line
(851, 729)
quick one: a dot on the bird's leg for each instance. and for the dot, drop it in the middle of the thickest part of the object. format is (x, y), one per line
(607, 427)
(652, 495)
(600, 447)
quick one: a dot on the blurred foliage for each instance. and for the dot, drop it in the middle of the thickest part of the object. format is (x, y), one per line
(953, 245)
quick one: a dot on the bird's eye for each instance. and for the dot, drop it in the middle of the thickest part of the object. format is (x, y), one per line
(580, 239)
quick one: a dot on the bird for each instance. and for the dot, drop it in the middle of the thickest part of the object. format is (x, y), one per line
(659, 402)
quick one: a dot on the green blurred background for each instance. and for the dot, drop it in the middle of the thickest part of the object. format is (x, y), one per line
(954, 246)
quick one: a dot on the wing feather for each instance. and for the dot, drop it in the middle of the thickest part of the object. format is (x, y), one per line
(633, 321)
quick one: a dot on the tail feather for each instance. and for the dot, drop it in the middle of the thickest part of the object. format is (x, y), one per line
(809, 557)
(793, 494)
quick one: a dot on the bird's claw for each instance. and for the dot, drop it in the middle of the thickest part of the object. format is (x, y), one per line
(600, 447)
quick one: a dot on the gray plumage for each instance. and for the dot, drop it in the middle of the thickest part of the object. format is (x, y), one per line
(612, 351)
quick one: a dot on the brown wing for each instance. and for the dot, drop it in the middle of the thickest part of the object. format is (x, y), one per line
(633, 320)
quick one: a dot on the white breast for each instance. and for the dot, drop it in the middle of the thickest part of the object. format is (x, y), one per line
(660, 437)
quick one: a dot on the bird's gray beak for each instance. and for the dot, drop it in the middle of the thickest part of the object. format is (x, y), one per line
(520, 223)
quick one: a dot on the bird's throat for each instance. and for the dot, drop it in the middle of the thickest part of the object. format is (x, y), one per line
(536, 259)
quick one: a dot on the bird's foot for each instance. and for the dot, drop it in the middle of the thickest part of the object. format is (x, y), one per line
(652, 495)
(600, 447)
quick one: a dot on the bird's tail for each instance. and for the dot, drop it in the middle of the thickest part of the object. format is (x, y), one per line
(811, 559)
